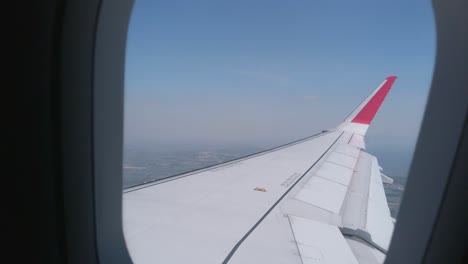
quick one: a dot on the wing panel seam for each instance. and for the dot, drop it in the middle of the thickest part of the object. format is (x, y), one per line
(234, 249)
(295, 240)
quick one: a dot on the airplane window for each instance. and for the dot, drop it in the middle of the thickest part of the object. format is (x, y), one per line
(207, 82)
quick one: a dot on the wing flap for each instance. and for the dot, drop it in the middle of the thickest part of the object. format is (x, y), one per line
(335, 172)
(320, 243)
(323, 193)
(379, 222)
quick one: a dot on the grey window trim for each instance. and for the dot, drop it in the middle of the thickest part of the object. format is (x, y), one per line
(108, 109)
(433, 168)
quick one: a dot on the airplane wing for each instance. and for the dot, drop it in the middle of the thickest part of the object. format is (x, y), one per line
(315, 200)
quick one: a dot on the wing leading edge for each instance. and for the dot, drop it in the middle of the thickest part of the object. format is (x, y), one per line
(316, 200)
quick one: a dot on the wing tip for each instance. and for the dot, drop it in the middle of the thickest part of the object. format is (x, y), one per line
(367, 113)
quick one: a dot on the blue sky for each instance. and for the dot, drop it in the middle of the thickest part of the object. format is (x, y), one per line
(268, 72)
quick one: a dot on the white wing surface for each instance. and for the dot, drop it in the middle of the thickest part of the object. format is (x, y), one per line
(316, 200)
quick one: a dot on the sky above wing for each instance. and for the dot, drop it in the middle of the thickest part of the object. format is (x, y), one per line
(268, 72)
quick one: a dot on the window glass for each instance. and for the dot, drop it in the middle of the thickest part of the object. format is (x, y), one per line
(211, 81)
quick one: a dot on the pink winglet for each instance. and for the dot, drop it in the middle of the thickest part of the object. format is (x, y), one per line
(368, 112)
